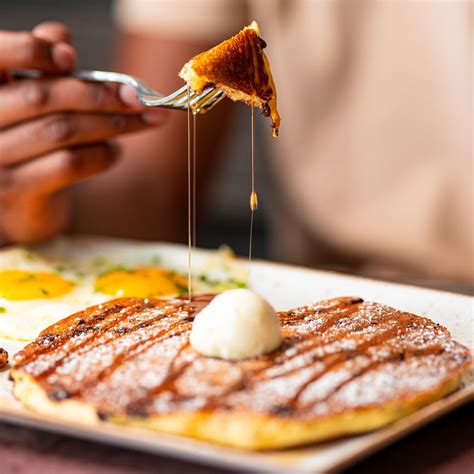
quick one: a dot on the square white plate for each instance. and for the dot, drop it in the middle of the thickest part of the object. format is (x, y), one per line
(285, 286)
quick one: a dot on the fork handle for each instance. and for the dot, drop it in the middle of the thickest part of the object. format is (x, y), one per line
(106, 76)
(95, 76)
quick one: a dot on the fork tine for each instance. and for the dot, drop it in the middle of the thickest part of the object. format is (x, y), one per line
(193, 97)
(184, 97)
(202, 96)
(176, 95)
(207, 103)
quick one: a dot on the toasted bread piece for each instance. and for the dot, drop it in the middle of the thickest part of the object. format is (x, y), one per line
(345, 366)
(240, 68)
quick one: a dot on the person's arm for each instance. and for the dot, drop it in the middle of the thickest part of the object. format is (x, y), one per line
(145, 195)
(53, 132)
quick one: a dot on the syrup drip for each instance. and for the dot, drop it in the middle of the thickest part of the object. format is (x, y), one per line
(190, 205)
(194, 180)
(253, 194)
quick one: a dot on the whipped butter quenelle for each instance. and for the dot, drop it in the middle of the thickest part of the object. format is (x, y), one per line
(237, 324)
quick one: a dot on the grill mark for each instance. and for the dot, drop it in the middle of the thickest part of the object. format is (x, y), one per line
(87, 342)
(339, 359)
(127, 355)
(348, 354)
(122, 358)
(151, 341)
(432, 350)
(132, 310)
(295, 315)
(315, 344)
(140, 406)
(379, 339)
(25, 357)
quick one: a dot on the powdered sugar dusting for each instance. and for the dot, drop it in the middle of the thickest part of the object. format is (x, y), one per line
(336, 355)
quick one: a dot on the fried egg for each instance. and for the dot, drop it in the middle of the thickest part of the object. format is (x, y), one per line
(143, 282)
(23, 285)
(43, 284)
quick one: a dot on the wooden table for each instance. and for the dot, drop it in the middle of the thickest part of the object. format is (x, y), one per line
(444, 447)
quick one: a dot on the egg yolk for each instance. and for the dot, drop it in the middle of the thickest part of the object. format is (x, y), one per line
(25, 285)
(141, 282)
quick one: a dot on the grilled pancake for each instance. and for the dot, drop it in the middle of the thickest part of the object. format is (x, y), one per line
(3, 358)
(345, 366)
(240, 68)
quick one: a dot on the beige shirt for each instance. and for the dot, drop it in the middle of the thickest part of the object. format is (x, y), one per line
(374, 157)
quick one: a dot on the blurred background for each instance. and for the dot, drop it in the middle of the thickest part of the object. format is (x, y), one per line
(227, 217)
(373, 172)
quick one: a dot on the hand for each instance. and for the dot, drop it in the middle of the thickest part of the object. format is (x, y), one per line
(53, 131)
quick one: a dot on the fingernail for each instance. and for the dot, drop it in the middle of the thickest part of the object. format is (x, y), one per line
(64, 56)
(128, 96)
(154, 116)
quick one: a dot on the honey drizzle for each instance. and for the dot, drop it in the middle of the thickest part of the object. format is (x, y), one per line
(189, 199)
(194, 179)
(253, 194)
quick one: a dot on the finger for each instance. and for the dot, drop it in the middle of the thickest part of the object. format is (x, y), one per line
(36, 218)
(29, 98)
(21, 50)
(128, 95)
(54, 171)
(53, 31)
(53, 132)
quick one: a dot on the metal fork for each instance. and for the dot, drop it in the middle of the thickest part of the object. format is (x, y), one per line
(199, 103)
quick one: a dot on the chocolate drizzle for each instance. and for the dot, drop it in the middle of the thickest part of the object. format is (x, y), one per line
(132, 356)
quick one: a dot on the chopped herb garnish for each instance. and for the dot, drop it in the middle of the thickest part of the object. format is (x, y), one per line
(116, 268)
(182, 289)
(28, 255)
(28, 277)
(44, 291)
(99, 261)
(60, 268)
(223, 283)
(156, 260)
(3, 309)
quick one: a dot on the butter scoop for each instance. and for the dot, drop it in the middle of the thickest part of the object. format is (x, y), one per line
(237, 324)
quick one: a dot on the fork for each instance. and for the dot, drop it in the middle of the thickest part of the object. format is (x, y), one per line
(199, 103)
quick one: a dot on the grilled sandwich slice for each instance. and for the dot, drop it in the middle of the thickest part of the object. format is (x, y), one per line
(345, 366)
(239, 67)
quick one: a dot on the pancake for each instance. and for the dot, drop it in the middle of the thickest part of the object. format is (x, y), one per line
(345, 366)
(240, 68)
(3, 358)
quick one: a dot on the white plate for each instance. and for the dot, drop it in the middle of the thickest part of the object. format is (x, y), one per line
(285, 286)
